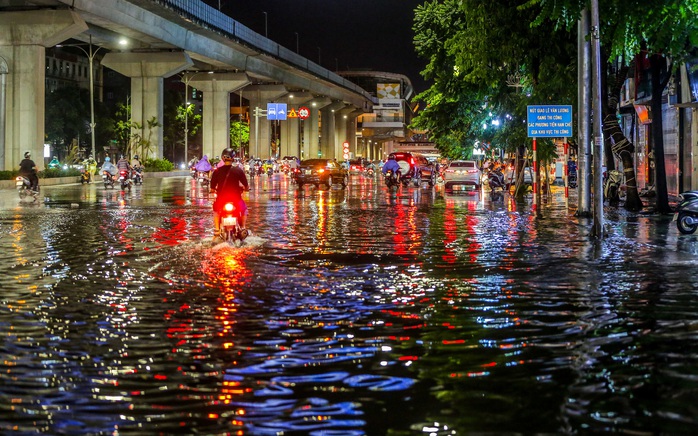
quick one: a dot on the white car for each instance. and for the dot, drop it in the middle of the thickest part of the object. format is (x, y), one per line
(462, 175)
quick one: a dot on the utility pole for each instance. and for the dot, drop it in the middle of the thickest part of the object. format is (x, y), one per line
(597, 230)
(584, 117)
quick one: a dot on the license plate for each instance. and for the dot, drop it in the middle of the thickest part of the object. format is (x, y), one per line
(308, 172)
(230, 221)
(20, 184)
(676, 217)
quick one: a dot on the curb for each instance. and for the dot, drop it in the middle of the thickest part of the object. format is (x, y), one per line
(10, 184)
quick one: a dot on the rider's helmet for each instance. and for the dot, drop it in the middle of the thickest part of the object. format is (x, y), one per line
(135, 156)
(228, 154)
(107, 159)
(391, 156)
(27, 154)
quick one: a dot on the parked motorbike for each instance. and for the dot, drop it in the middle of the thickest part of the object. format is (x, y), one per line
(124, 180)
(230, 225)
(611, 187)
(495, 179)
(572, 179)
(137, 176)
(686, 214)
(24, 187)
(107, 179)
(392, 181)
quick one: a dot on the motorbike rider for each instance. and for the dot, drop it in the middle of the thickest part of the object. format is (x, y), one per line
(203, 166)
(123, 165)
(27, 168)
(136, 165)
(228, 182)
(54, 163)
(391, 165)
(90, 165)
(109, 167)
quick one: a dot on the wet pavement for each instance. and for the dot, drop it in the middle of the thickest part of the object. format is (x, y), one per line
(348, 312)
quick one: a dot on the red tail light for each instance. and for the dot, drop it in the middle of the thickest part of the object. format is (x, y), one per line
(411, 161)
(228, 207)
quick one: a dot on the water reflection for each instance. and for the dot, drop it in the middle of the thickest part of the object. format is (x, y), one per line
(350, 311)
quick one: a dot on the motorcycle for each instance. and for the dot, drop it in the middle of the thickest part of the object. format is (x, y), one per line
(392, 181)
(137, 176)
(107, 179)
(495, 179)
(230, 225)
(85, 176)
(572, 179)
(612, 186)
(686, 214)
(369, 171)
(294, 175)
(124, 180)
(24, 187)
(202, 177)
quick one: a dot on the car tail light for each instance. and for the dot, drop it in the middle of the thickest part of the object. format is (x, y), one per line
(228, 207)
(411, 161)
(321, 170)
(450, 171)
(472, 171)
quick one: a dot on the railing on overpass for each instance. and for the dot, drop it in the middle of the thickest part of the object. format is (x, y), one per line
(212, 19)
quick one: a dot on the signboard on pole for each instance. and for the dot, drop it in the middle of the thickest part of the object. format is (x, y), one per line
(549, 121)
(303, 113)
(276, 111)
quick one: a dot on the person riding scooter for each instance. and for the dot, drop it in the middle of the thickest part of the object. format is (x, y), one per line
(27, 168)
(109, 167)
(228, 182)
(391, 165)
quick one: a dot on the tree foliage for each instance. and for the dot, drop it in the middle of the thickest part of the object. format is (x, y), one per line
(487, 64)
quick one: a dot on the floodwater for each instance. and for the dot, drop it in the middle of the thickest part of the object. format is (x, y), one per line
(348, 312)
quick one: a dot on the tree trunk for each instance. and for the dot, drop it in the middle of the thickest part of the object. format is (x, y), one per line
(658, 67)
(621, 146)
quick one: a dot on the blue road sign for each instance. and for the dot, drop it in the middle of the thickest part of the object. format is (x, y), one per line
(276, 111)
(549, 121)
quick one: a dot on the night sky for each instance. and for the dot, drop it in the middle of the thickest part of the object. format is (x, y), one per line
(345, 34)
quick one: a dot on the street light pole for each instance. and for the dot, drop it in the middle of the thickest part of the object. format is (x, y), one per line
(266, 27)
(90, 57)
(297, 50)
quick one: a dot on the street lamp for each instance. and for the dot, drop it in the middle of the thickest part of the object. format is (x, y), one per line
(266, 27)
(186, 79)
(90, 56)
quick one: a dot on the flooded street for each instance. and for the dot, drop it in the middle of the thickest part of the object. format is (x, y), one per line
(348, 312)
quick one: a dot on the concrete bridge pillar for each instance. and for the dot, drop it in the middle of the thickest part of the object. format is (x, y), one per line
(24, 36)
(260, 127)
(341, 118)
(330, 147)
(147, 71)
(311, 129)
(291, 130)
(350, 122)
(216, 88)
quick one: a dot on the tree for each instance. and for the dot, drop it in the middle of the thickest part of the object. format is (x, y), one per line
(67, 117)
(239, 134)
(487, 64)
(666, 31)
